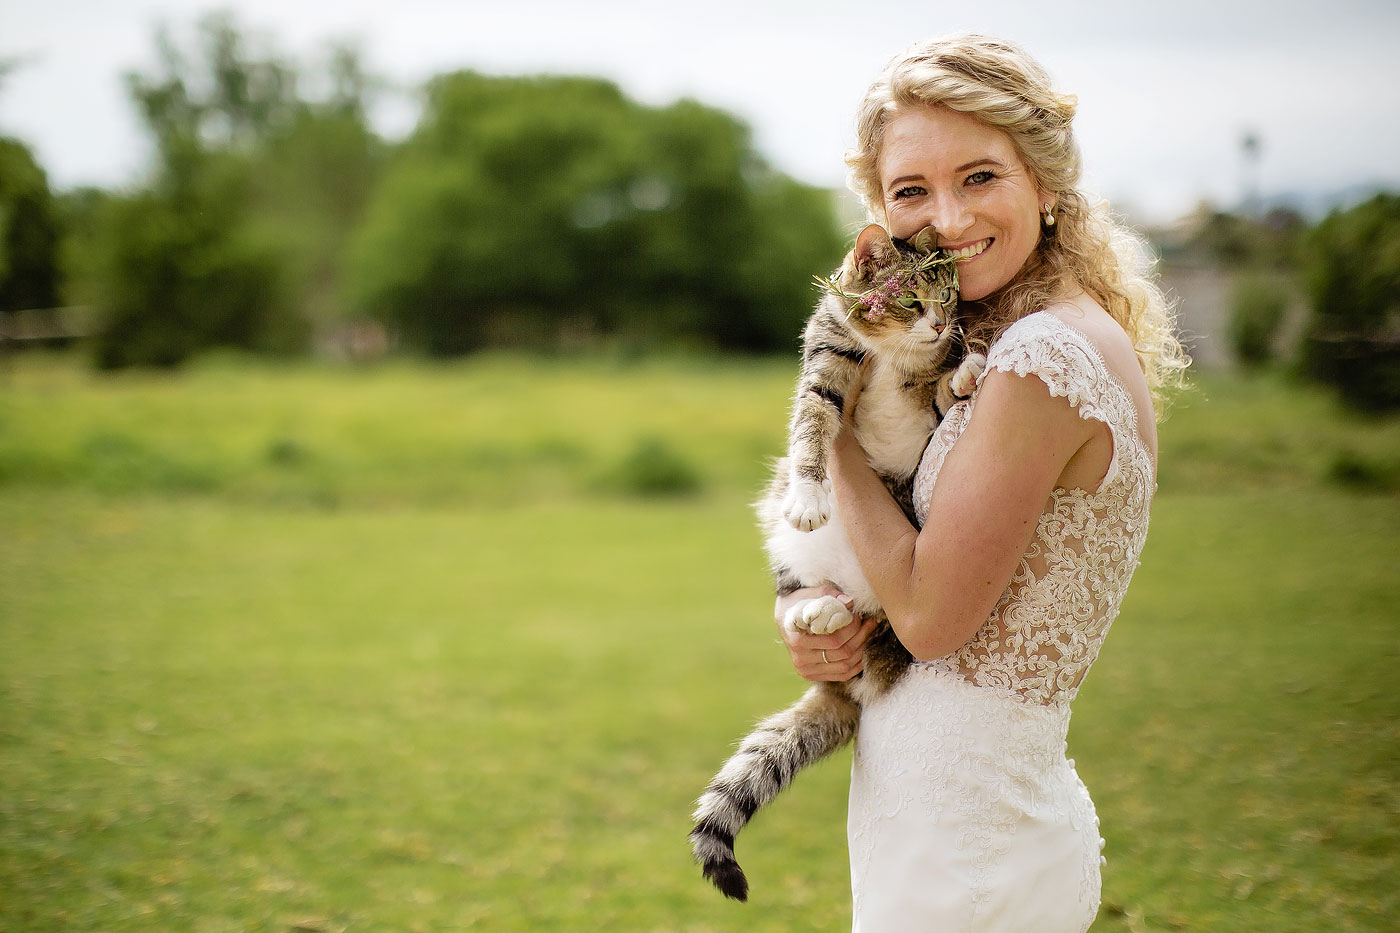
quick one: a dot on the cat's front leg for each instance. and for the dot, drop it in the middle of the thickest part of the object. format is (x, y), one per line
(807, 504)
(957, 386)
(965, 377)
(819, 616)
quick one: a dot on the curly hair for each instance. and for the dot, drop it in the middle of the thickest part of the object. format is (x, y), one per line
(1000, 85)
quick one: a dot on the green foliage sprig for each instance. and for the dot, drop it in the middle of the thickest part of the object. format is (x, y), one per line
(874, 302)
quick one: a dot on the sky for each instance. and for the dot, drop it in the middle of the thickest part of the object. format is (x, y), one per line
(1167, 90)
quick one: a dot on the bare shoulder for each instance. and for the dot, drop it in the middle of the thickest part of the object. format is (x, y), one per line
(1088, 317)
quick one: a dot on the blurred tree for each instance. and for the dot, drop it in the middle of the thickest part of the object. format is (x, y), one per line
(181, 272)
(1352, 338)
(1234, 240)
(523, 209)
(308, 190)
(239, 238)
(28, 232)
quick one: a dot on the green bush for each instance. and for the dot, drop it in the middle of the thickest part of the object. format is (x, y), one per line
(28, 232)
(652, 469)
(1257, 305)
(180, 273)
(1353, 336)
(1354, 470)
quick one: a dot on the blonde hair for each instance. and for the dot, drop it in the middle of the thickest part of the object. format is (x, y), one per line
(1000, 85)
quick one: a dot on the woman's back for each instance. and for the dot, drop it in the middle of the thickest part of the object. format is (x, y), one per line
(1047, 627)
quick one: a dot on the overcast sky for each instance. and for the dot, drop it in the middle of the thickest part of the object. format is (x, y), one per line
(1167, 90)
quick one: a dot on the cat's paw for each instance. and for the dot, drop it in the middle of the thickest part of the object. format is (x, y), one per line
(819, 616)
(965, 379)
(807, 505)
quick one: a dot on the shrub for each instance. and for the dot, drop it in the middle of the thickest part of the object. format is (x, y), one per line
(1257, 305)
(651, 468)
(1357, 471)
(1352, 339)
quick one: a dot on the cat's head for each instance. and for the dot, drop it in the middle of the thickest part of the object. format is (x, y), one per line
(898, 291)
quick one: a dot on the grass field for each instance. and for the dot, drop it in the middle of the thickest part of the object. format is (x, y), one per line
(449, 648)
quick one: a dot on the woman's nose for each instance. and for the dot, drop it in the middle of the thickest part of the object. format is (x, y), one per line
(950, 217)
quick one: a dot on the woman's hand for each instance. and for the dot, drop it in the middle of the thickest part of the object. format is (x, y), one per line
(837, 656)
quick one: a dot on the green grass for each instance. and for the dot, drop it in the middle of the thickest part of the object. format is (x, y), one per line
(415, 649)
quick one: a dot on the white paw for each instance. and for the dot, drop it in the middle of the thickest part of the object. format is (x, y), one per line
(965, 379)
(819, 616)
(807, 505)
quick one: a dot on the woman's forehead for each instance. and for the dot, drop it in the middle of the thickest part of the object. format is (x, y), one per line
(940, 139)
(937, 130)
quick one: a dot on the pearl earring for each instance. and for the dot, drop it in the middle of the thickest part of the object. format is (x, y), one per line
(1049, 217)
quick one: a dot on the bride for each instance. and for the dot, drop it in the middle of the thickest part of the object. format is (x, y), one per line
(1033, 497)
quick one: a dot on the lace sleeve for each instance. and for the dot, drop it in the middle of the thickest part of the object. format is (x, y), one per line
(1069, 364)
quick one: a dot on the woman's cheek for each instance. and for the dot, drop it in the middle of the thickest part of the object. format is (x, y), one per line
(901, 222)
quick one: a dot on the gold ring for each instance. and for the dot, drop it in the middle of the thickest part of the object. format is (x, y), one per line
(824, 660)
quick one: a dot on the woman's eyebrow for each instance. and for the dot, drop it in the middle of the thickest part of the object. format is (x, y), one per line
(903, 178)
(988, 160)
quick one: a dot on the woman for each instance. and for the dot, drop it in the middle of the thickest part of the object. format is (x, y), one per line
(1033, 496)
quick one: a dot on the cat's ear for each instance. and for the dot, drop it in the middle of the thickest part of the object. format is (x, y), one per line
(925, 240)
(874, 244)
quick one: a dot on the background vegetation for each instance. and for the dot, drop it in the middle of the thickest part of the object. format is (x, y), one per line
(549, 212)
(393, 568)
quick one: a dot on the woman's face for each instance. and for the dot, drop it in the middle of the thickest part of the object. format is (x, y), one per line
(944, 168)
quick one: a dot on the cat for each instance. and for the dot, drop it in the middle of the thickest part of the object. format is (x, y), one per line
(886, 326)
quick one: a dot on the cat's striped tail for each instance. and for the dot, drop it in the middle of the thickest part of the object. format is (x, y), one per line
(766, 762)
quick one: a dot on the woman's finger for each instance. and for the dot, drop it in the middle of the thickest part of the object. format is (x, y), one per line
(838, 656)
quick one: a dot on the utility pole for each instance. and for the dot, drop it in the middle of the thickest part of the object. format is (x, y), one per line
(1251, 147)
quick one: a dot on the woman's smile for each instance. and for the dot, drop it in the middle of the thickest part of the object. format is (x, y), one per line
(968, 252)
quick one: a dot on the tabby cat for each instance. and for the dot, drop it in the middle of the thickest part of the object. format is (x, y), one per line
(886, 326)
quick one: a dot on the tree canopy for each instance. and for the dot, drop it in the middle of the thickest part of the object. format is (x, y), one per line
(526, 208)
(544, 211)
(1353, 272)
(29, 232)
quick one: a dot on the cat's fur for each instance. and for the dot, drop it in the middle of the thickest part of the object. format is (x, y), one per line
(907, 359)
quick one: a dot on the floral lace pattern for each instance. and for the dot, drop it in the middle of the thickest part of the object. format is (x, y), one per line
(1046, 629)
(965, 813)
(968, 772)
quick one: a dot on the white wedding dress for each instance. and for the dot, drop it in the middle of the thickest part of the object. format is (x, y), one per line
(964, 812)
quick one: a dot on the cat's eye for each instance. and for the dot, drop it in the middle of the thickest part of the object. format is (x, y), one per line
(908, 301)
(944, 295)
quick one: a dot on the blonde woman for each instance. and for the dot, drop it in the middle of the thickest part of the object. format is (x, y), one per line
(1034, 497)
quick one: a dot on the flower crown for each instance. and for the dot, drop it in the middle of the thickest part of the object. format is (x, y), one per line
(874, 302)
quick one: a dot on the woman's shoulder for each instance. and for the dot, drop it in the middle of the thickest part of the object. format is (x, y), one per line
(1079, 317)
(1079, 351)
(1084, 355)
(1077, 326)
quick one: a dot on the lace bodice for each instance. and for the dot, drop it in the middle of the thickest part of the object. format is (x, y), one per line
(1048, 626)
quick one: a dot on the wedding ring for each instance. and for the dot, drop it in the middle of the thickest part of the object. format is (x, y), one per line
(824, 660)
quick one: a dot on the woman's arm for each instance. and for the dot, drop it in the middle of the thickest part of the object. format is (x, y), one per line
(938, 585)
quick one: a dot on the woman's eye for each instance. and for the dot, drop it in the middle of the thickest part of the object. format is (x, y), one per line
(980, 178)
(909, 191)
